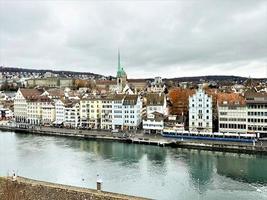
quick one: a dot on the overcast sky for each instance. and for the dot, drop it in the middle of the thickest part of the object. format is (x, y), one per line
(156, 38)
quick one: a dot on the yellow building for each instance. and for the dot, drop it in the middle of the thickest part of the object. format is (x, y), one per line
(90, 112)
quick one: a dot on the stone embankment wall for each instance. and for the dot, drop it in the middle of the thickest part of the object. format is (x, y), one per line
(27, 189)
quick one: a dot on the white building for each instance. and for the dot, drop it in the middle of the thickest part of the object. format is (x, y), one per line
(117, 112)
(59, 112)
(72, 114)
(156, 102)
(121, 112)
(157, 85)
(232, 117)
(153, 123)
(257, 113)
(132, 107)
(21, 107)
(106, 113)
(6, 114)
(200, 112)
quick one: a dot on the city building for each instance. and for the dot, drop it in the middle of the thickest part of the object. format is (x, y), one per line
(21, 108)
(200, 111)
(153, 123)
(175, 122)
(232, 114)
(48, 112)
(156, 102)
(257, 113)
(106, 113)
(59, 112)
(71, 114)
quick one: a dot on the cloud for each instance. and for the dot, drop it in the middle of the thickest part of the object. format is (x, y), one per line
(156, 38)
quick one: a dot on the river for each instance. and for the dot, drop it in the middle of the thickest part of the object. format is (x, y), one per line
(141, 170)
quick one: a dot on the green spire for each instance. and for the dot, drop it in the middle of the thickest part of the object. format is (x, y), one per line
(120, 71)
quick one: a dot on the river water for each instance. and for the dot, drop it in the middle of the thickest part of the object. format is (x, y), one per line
(148, 171)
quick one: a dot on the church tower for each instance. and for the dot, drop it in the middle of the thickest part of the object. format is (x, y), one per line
(121, 75)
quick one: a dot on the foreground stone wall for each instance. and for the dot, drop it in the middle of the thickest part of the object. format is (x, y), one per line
(27, 189)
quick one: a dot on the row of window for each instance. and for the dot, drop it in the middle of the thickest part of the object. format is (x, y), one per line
(127, 121)
(152, 125)
(257, 128)
(200, 117)
(263, 106)
(233, 119)
(257, 120)
(257, 113)
(200, 100)
(233, 126)
(200, 105)
(200, 124)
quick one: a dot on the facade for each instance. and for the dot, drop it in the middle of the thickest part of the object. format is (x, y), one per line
(95, 113)
(174, 122)
(153, 123)
(156, 102)
(90, 112)
(72, 114)
(22, 98)
(6, 114)
(35, 108)
(132, 107)
(59, 112)
(257, 114)
(157, 85)
(200, 112)
(48, 113)
(50, 82)
(121, 112)
(106, 113)
(232, 117)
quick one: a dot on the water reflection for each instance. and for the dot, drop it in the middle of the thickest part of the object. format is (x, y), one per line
(150, 171)
(246, 168)
(201, 166)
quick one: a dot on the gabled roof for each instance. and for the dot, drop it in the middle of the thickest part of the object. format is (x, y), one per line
(56, 92)
(157, 116)
(232, 99)
(130, 100)
(31, 93)
(155, 99)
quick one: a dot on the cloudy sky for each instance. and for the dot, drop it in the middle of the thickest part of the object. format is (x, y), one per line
(156, 38)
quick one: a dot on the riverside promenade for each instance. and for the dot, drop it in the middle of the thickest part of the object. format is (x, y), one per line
(141, 138)
(24, 189)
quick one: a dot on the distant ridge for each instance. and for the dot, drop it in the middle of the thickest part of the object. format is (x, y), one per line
(176, 79)
(60, 72)
(213, 78)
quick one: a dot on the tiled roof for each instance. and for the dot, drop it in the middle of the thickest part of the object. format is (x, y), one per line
(157, 116)
(31, 93)
(230, 99)
(130, 100)
(136, 80)
(155, 99)
(56, 92)
(105, 82)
